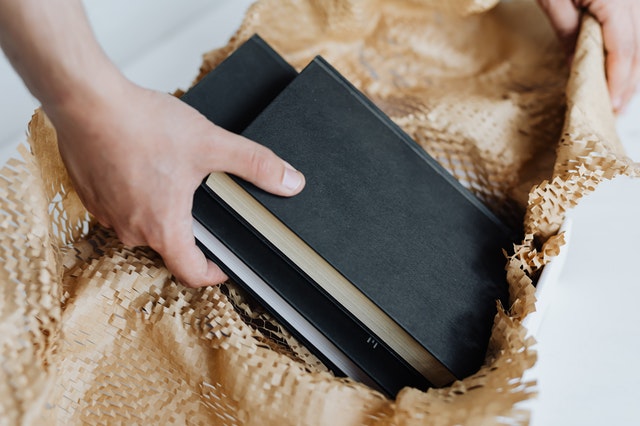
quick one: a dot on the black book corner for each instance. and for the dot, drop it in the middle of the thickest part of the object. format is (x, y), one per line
(384, 266)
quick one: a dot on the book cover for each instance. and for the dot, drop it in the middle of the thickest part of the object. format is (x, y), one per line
(414, 259)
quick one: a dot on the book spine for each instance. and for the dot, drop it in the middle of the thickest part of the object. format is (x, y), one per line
(383, 368)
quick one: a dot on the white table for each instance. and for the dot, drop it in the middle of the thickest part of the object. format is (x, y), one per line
(588, 327)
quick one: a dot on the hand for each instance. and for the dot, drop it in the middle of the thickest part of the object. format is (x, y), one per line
(620, 20)
(136, 157)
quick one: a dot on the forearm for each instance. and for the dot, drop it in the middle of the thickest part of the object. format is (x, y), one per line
(52, 47)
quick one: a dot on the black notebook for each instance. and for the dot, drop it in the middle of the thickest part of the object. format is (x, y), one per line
(385, 266)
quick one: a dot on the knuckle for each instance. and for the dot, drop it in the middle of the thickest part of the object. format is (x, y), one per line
(261, 163)
(130, 235)
(156, 243)
(166, 239)
(130, 240)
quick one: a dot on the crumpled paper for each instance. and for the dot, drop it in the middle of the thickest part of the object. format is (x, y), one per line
(94, 332)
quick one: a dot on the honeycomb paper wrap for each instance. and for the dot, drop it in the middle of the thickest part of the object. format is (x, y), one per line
(94, 332)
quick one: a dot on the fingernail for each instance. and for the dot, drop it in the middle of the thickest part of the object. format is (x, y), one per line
(292, 178)
(617, 103)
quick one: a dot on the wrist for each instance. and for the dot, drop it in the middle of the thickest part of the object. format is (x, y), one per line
(86, 96)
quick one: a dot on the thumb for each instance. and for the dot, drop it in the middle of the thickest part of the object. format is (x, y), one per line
(254, 163)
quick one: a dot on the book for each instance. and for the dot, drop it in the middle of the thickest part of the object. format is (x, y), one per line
(384, 266)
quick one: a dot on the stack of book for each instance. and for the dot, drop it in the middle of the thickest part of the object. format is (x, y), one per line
(384, 266)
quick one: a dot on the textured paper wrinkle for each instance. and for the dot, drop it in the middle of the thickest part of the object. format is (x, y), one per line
(94, 332)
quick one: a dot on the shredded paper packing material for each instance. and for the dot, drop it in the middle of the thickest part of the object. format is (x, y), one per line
(96, 332)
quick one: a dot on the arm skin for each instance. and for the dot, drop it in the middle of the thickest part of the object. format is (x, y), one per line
(620, 20)
(135, 156)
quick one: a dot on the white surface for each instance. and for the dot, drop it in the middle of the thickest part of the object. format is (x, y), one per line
(547, 284)
(589, 339)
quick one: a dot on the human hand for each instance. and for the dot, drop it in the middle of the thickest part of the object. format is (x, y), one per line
(620, 20)
(136, 157)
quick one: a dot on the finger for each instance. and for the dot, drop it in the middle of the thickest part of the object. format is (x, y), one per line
(184, 259)
(102, 220)
(254, 163)
(564, 17)
(621, 81)
(104, 223)
(129, 239)
(621, 41)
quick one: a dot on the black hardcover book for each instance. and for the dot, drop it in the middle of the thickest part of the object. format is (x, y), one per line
(385, 266)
